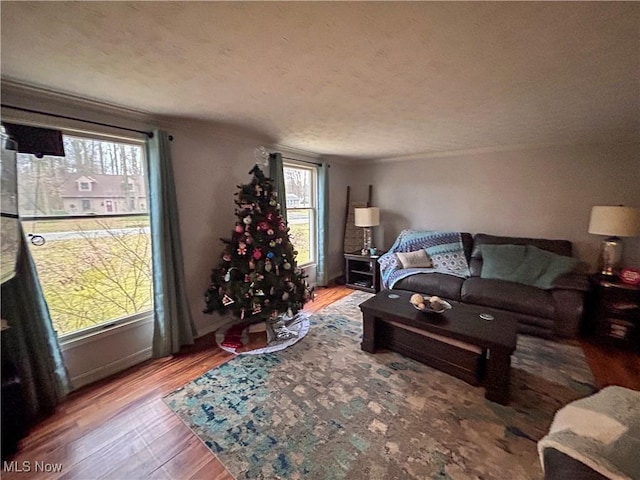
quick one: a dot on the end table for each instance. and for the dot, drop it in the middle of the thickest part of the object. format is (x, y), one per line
(614, 312)
(362, 272)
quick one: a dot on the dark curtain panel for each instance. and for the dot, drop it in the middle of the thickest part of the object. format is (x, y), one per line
(277, 175)
(30, 343)
(173, 325)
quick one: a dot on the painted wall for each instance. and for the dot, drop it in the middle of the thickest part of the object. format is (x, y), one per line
(545, 192)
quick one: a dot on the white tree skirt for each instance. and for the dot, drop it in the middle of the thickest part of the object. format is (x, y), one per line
(299, 324)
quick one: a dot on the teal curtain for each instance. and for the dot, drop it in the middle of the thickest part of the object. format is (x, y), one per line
(30, 343)
(322, 275)
(276, 173)
(173, 325)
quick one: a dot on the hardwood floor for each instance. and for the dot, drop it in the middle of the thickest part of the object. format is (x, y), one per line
(119, 428)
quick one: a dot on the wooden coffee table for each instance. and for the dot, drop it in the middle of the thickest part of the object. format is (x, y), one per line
(457, 341)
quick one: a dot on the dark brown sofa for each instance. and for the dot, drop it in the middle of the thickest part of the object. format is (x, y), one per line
(546, 313)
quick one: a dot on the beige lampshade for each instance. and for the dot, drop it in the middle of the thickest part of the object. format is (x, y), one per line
(367, 217)
(615, 221)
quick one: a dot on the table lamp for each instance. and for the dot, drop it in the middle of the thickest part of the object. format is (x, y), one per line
(367, 217)
(616, 222)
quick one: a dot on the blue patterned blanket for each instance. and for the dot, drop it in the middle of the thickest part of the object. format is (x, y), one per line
(444, 248)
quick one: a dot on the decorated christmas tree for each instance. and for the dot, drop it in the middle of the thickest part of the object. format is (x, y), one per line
(257, 278)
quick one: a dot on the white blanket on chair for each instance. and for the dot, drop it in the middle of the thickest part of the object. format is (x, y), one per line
(601, 431)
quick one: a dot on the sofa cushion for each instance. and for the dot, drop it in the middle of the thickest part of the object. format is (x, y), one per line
(511, 296)
(440, 284)
(524, 264)
(559, 247)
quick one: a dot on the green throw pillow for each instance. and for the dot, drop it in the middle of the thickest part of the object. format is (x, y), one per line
(524, 264)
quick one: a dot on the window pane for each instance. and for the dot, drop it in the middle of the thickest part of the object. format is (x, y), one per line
(302, 233)
(95, 177)
(298, 183)
(92, 270)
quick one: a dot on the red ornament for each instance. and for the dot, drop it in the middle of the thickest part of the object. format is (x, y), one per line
(239, 228)
(257, 254)
(263, 226)
(270, 216)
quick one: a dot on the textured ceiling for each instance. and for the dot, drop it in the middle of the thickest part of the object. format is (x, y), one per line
(369, 80)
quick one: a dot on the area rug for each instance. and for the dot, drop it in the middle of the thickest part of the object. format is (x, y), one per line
(324, 409)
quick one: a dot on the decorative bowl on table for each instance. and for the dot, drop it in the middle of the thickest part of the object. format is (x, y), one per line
(429, 304)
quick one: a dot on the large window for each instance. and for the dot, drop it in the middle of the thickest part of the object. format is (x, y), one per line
(86, 217)
(300, 187)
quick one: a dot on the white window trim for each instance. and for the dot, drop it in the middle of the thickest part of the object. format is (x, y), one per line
(313, 210)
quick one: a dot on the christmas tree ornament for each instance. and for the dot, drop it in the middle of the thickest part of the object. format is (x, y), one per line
(257, 253)
(285, 296)
(270, 232)
(259, 293)
(287, 266)
(268, 266)
(259, 190)
(272, 243)
(248, 240)
(246, 279)
(252, 265)
(239, 228)
(242, 248)
(270, 255)
(247, 220)
(227, 276)
(257, 308)
(273, 203)
(227, 300)
(272, 291)
(226, 257)
(278, 240)
(270, 216)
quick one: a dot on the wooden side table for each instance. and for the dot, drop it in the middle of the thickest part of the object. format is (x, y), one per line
(362, 272)
(614, 312)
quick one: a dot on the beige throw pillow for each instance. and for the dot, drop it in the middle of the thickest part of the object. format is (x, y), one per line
(417, 259)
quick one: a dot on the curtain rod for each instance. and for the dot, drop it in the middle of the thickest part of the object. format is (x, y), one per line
(302, 161)
(28, 110)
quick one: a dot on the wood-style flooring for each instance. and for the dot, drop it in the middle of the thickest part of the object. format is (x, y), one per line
(119, 428)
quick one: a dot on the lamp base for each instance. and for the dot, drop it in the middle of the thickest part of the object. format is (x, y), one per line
(366, 241)
(610, 256)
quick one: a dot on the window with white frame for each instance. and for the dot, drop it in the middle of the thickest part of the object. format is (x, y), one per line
(95, 269)
(300, 183)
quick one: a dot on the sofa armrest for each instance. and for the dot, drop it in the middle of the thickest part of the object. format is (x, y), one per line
(572, 281)
(569, 310)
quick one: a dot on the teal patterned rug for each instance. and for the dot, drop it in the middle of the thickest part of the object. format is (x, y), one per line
(324, 409)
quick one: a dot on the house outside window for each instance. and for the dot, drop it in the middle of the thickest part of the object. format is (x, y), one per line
(84, 186)
(300, 183)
